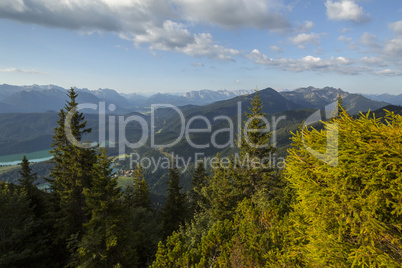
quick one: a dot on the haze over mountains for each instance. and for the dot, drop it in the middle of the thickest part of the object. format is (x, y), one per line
(28, 117)
(35, 98)
(393, 99)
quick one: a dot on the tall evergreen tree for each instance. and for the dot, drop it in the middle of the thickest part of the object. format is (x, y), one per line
(220, 193)
(253, 168)
(36, 197)
(175, 210)
(27, 177)
(200, 180)
(104, 242)
(143, 225)
(72, 170)
(138, 195)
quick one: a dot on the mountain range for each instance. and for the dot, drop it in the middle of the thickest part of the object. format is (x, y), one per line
(28, 117)
(393, 99)
(311, 97)
(37, 99)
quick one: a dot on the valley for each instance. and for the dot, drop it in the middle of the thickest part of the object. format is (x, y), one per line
(30, 133)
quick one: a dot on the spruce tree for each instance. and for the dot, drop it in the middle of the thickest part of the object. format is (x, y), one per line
(175, 210)
(72, 170)
(27, 177)
(36, 197)
(253, 168)
(220, 193)
(104, 242)
(138, 195)
(200, 180)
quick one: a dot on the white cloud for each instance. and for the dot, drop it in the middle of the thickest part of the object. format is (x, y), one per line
(260, 14)
(393, 48)
(135, 15)
(343, 60)
(369, 40)
(341, 65)
(174, 37)
(373, 61)
(306, 26)
(396, 27)
(170, 36)
(345, 10)
(157, 24)
(16, 70)
(276, 49)
(349, 41)
(302, 39)
(345, 30)
(389, 72)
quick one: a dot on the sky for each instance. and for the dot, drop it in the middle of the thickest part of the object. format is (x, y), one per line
(175, 46)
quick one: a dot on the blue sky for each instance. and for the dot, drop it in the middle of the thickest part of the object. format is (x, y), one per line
(181, 45)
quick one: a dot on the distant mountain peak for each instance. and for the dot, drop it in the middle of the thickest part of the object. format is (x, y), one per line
(312, 97)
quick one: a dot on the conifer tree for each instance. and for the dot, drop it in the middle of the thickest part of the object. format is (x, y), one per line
(175, 210)
(34, 195)
(138, 195)
(72, 170)
(27, 177)
(104, 241)
(349, 214)
(253, 168)
(220, 193)
(200, 180)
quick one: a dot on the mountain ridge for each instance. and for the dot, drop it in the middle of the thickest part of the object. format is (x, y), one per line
(41, 98)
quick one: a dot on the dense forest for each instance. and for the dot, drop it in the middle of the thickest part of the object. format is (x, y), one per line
(341, 211)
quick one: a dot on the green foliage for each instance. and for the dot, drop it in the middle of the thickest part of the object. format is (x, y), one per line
(137, 196)
(347, 214)
(28, 178)
(26, 228)
(17, 246)
(350, 214)
(220, 194)
(223, 232)
(200, 180)
(102, 243)
(73, 167)
(175, 211)
(312, 215)
(252, 170)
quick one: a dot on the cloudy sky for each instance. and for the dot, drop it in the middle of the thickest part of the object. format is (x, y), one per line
(181, 45)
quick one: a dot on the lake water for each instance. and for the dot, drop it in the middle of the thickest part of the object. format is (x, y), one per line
(35, 157)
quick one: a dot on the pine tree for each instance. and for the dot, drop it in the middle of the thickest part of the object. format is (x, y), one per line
(72, 170)
(220, 193)
(175, 210)
(253, 168)
(200, 180)
(103, 244)
(27, 177)
(138, 195)
(36, 198)
(26, 227)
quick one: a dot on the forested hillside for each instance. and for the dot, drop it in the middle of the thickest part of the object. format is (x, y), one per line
(335, 203)
(312, 214)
